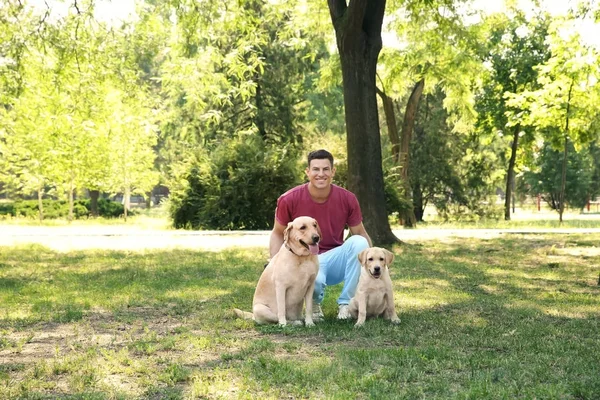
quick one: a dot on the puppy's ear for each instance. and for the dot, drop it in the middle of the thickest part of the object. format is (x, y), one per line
(389, 256)
(362, 256)
(319, 229)
(286, 232)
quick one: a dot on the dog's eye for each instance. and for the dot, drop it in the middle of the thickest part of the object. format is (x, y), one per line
(303, 227)
(380, 258)
(370, 258)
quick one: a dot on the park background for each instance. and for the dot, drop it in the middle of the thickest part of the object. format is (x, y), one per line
(475, 126)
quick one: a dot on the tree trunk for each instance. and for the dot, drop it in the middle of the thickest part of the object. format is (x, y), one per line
(563, 178)
(94, 195)
(358, 35)
(260, 122)
(408, 126)
(510, 174)
(41, 203)
(71, 201)
(126, 202)
(563, 181)
(390, 119)
(418, 203)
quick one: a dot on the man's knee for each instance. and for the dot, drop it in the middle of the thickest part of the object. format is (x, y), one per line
(358, 243)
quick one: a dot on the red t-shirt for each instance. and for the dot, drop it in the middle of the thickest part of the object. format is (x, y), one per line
(340, 209)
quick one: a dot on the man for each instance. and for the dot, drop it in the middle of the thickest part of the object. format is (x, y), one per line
(334, 208)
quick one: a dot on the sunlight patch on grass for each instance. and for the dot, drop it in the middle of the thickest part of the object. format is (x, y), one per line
(580, 251)
(562, 311)
(200, 294)
(420, 303)
(427, 293)
(216, 383)
(472, 319)
(427, 283)
(491, 289)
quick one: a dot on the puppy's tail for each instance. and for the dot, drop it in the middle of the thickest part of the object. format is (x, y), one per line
(243, 314)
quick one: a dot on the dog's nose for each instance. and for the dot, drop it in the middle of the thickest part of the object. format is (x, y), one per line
(315, 239)
(377, 269)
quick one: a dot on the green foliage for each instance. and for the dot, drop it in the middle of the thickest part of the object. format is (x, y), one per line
(545, 179)
(236, 187)
(78, 116)
(454, 172)
(58, 209)
(240, 68)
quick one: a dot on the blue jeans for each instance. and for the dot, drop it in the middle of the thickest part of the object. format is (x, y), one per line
(340, 265)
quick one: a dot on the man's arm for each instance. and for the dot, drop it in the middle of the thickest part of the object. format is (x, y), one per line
(360, 230)
(276, 238)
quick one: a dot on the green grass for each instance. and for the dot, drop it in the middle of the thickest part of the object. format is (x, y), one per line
(515, 317)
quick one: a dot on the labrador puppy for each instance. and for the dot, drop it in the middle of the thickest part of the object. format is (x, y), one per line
(288, 281)
(374, 295)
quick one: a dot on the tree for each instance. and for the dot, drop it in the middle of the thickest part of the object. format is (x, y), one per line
(565, 106)
(546, 177)
(358, 35)
(438, 51)
(516, 47)
(58, 122)
(436, 155)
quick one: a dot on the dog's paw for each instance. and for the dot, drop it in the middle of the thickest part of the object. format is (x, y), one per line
(396, 321)
(358, 324)
(309, 323)
(283, 323)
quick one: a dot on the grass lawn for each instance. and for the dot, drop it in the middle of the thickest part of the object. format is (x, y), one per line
(514, 317)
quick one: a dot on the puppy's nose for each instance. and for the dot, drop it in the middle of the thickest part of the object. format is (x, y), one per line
(377, 269)
(315, 239)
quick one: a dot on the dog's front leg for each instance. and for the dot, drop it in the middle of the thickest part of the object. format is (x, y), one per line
(362, 310)
(391, 308)
(280, 299)
(308, 321)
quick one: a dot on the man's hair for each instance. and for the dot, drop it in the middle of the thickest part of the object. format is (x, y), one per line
(320, 155)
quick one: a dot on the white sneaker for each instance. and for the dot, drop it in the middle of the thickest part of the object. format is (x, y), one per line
(317, 312)
(344, 312)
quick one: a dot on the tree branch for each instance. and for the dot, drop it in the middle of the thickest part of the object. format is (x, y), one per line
(337, 9)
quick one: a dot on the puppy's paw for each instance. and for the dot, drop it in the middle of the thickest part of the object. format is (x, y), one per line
(358, 324)
(309, 323)
(283, 323)
(396, 321)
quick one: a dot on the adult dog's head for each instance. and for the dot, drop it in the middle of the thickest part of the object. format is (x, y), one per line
(375, 260)
(302, 236)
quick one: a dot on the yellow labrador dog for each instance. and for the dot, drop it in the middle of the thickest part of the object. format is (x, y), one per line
(288, 281)
(374, 295)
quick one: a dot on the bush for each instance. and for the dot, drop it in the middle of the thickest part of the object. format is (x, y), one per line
(7, 208)
(108, 208)
(236, 187)
(54, 209)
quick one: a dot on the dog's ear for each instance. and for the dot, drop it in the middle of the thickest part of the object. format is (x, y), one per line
(389, 256)
(286, 232)
(362, 256)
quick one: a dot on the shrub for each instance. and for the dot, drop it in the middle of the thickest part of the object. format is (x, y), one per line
(54, 209)
(109, 209)
(236, 187)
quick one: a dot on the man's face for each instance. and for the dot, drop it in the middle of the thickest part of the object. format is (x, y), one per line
(320, 173)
